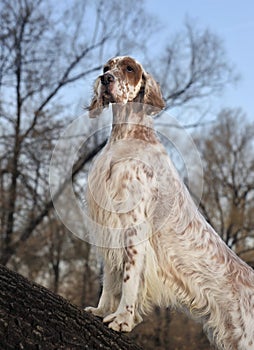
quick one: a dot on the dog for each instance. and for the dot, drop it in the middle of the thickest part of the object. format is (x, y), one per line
(156, 246)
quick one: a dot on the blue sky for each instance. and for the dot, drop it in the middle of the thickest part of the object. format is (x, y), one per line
(233, 22)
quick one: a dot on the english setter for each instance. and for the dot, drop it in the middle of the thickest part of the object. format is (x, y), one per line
(156, 246)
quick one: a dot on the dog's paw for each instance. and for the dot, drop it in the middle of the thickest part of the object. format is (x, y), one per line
(96, 311)
(122, 322)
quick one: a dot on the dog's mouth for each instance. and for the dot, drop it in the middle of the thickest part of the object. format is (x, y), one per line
(107, 94)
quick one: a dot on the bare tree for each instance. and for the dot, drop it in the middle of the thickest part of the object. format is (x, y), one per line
(227, 152)
(39, 61)
(194, 66)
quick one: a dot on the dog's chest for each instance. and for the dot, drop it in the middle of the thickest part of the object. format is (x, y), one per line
(120, 179)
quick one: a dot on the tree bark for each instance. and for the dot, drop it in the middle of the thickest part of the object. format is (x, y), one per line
(32, 317)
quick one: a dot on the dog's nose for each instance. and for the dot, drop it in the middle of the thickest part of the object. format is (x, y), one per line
(107, 78)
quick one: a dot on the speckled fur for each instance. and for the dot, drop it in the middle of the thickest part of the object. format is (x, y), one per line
(157, 247)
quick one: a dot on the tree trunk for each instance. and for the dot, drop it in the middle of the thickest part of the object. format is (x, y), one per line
(32, 317)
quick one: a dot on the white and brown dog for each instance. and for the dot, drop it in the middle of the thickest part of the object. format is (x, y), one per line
(156, 246)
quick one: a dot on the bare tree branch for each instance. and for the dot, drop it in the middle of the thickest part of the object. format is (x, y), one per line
(227, 155)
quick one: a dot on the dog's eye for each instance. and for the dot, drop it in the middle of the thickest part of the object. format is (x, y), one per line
(129, 69)
(105, 69)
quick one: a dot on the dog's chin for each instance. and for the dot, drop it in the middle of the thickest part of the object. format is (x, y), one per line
(108, 98)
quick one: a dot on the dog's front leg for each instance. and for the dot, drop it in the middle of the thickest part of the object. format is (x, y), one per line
(126, 316)
(109, 299)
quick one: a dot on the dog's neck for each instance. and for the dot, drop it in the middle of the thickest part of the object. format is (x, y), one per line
(131, 122)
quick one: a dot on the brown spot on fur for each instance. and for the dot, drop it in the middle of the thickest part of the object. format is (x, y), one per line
(126, 278)
(129, 309)
(127, 176)
(129, 253)
(148, 171)
(136, 131)
(129, 233)
(141, 132)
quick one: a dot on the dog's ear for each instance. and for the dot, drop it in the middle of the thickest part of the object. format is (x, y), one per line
(152, 94)
(96, 105)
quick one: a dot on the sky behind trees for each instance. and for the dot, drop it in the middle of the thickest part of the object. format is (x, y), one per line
(233, 22)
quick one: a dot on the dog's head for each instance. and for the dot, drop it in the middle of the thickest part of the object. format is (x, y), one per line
(124, 80)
